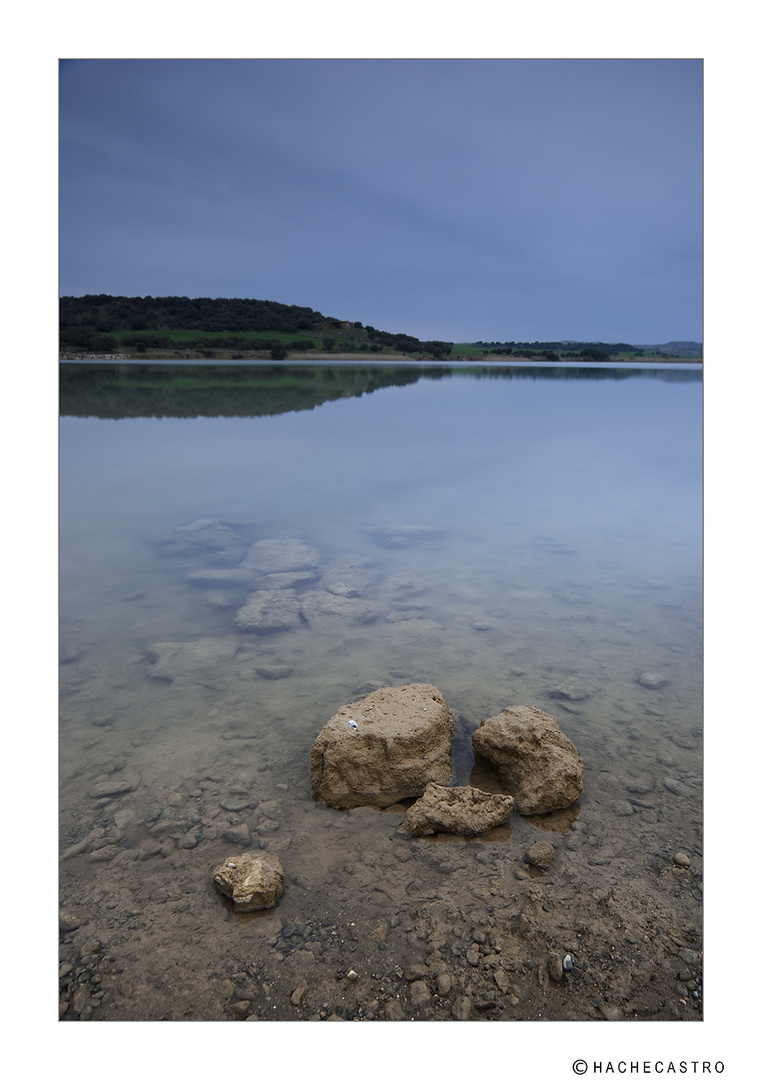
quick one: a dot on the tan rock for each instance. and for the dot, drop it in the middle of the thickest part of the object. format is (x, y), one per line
(466, 811)
(536, 762)
(384, 748)
(540, 855)
(251, 880)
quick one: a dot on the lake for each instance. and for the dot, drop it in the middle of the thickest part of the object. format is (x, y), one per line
(511, 534)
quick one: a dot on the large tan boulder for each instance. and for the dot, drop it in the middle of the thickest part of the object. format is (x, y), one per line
(384, 748)
(536, 762)
(466, 811)
(251, 880)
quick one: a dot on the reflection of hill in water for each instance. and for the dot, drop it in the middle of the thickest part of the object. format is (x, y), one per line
(117, 391)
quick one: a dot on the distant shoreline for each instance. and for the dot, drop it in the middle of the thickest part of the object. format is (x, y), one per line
(158, 356)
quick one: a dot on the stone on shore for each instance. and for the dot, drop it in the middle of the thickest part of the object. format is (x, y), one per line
(466, 811)
(536, 762)
(540, 855)
(384, 748)
(251, 880)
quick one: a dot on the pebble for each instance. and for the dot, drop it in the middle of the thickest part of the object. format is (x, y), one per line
(444, 984)
(540, 855)
(109, 788)
(681, 859)
(234, 805)
(652, 680)
(461, 1009)
(555, 967)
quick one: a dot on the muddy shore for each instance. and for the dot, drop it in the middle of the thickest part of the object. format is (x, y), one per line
(372, 925)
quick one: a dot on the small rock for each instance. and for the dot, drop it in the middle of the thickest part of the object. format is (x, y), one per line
(234, 805)
(109, 788)
(502, 980)
(652, 680)
(461, 1009)
(555, 968)
(239, 834)
(466, 811)
(681, 859)
(274, 671)
(239, 1009)
(540, 855)
(569, 691)
(393, 1011)
(444, 984)
(419, 993)
(68, 921)
(252, 881)
(90, 948)
(298, 995)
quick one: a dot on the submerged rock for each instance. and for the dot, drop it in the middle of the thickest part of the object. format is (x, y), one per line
(466, 811)
(536, 762)
(384, 748)
(280, 556)
(207, 534)
(251, 880)
(270, 610)
(319, 603)
(652, 680)
(190, 661)
(397, 536)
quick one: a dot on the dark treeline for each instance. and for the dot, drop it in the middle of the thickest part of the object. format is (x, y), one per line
(101, 323)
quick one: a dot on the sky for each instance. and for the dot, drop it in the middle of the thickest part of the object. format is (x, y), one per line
(463, 200)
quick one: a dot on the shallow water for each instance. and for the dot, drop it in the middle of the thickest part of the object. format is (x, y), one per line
(518, 530)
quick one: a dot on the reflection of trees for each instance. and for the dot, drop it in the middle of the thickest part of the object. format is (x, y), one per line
(113, 391)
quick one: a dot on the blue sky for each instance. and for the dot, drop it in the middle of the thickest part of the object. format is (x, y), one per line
(456, 199)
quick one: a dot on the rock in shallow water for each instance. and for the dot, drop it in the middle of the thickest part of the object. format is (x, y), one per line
(466, 811)
(270, 610)
(384, 748)
(252, 881)
(536, 762)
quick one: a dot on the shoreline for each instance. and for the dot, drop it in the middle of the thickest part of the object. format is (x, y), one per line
(164, 356)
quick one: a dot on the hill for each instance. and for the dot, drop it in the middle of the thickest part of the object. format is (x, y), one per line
(178, 326)
(100, 323)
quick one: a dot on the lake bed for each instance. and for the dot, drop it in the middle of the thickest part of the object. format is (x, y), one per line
(513, 535)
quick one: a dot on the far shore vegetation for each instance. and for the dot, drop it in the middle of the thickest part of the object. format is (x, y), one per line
(176, 327)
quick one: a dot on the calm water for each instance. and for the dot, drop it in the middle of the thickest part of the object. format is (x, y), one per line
(514, 530)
